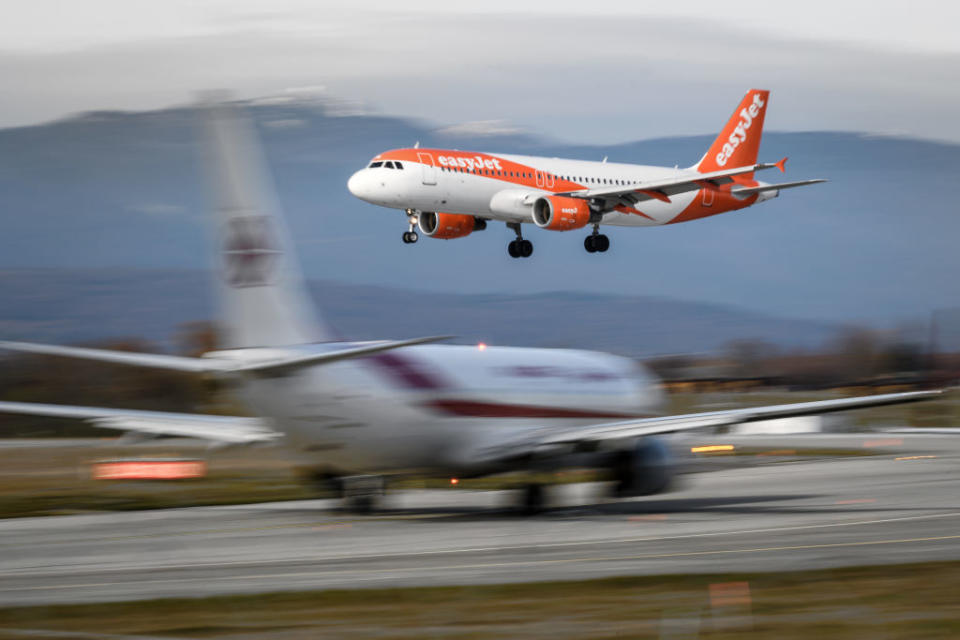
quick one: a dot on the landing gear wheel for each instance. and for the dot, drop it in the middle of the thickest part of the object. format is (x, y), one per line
(533, 499)
(409, 237)
(520, 248)
(596, 243)
(361, 505)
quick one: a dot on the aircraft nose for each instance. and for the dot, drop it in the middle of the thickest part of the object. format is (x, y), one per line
(358, 184)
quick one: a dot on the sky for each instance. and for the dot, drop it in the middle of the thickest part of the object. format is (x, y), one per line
(601, 72)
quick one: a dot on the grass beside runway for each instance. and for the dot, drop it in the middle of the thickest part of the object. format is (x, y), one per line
(899, 601)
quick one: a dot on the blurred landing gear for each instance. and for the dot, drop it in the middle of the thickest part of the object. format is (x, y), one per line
(533, 499)
(596, 242)
(519, 248)
(361, 494)
(410, 236)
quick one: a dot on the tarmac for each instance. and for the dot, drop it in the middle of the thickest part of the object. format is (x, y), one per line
(778, 517)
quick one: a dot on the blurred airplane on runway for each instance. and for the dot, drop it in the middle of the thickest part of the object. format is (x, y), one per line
(449, 193)
(359, 412)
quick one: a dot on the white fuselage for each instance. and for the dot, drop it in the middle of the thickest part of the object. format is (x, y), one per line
(438, 408)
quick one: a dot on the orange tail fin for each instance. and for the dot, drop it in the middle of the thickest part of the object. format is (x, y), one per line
(738, 143)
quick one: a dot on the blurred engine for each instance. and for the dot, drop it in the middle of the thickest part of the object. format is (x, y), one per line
(646, 468)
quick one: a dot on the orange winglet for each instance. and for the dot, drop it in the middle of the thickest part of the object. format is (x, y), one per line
(780, 165)
(653, 193)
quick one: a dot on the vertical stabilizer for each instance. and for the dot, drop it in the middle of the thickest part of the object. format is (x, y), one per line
(739, 141)
(263, 298)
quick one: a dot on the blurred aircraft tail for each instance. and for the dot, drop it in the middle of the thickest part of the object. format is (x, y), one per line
(262, 294)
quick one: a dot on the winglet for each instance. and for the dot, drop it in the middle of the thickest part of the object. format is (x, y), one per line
(780, 165)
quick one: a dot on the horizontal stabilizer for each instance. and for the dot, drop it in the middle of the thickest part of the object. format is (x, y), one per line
(747, 191)
(152, 360)
(288, 364)
(214, 364)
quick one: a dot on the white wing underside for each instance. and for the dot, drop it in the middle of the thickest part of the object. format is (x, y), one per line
(543, 441)
(224, 429)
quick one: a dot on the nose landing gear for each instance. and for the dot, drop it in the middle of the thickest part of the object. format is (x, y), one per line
(596, 242)
(410, 235)
(519, 248)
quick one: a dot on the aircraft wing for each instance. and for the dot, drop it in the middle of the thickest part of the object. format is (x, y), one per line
(552, 438)
(224, 429)
(269, 365)
(665, 188)
(746, 191)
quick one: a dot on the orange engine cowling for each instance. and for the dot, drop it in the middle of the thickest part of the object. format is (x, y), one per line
(558, 213)
(449, 225)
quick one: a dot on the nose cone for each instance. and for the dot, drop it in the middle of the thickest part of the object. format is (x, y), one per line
(358, 184)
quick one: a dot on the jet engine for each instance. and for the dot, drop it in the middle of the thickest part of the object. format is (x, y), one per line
(646, 468)
(449, 225)
(558, 213)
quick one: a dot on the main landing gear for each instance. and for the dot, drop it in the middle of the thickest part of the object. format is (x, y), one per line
(596, 242)
(410, 235)
(519, 248)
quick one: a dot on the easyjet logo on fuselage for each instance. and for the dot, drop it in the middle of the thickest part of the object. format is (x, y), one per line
(747, 116)
(476, 162)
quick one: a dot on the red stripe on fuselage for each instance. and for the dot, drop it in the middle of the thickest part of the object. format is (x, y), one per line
(479, 409)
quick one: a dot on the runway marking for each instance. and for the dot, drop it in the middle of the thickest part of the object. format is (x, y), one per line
(488, 565)
(549, 545)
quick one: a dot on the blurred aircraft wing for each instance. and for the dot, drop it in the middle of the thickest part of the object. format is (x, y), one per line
(223, 429)
(611, 431)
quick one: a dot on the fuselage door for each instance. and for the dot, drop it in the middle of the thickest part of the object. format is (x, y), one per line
(429, 169)
(544, 179)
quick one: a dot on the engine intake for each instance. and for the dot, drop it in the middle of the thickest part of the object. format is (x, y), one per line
(446, 226)
(559, 213)
(646, 468)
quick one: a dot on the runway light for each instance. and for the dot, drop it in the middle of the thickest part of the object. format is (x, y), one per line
(885, 442)
(454, 480)
(712, 448)
(482, 346)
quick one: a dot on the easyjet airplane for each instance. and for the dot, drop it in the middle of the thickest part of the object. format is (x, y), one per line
(449, 193)
(359, 412)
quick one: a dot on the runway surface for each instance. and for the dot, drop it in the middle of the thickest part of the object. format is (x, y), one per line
(768, 518)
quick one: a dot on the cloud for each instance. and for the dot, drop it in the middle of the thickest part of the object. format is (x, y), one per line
(157, 209)
(604, 78)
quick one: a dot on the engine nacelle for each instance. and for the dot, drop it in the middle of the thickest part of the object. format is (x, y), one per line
(559, 213)
(449, 225)
(644, 469)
